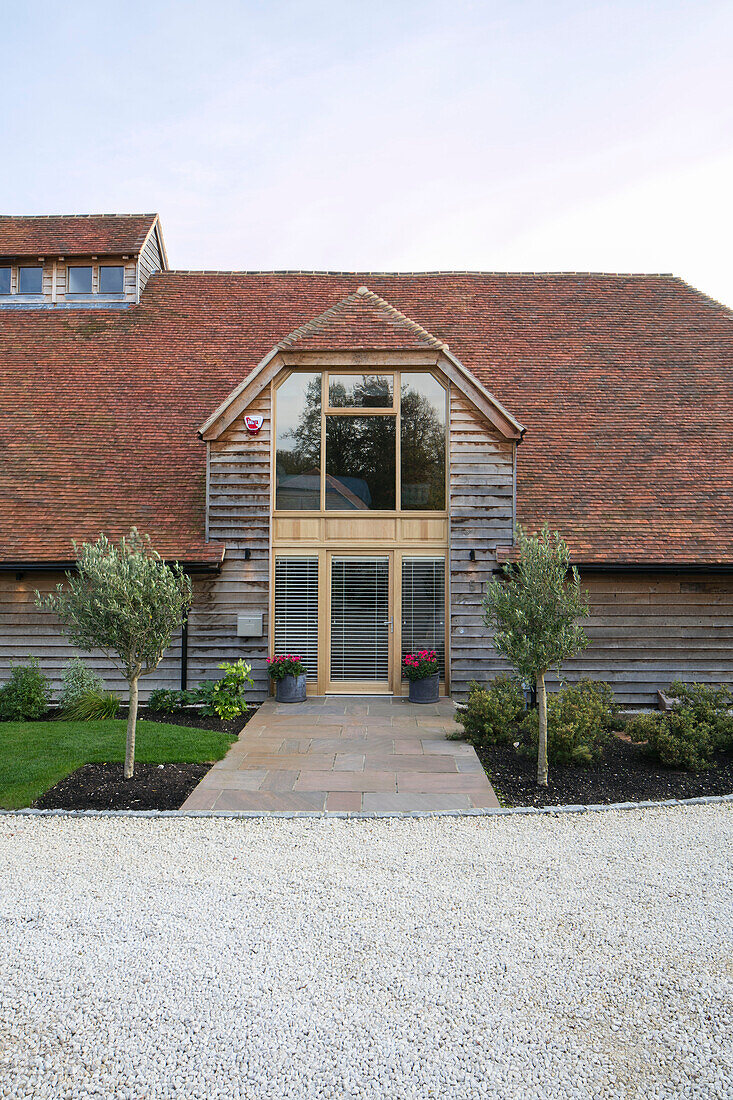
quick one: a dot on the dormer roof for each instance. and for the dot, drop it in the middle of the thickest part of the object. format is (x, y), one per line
(361, 321)
(74, 234)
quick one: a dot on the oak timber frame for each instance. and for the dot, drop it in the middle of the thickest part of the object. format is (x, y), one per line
(331, 533)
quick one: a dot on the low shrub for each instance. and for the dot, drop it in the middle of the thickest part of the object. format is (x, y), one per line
(491, 714)
(710, 705)
(26, 695)
(77, 680)
(166, 701)
(579, 721)
(688, 735)
(226, 697)
(91, 706)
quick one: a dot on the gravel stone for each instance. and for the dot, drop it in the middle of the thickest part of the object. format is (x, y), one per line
(540, 956)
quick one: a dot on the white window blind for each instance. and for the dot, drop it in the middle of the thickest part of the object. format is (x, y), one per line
(423, 606)
(360, 619)
(296, 610)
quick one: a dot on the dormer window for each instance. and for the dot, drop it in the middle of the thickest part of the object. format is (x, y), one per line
(111, 279)
(5, 273)
(30, 280)
(80, 280)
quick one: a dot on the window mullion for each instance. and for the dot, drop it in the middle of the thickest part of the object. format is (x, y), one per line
(398, 441)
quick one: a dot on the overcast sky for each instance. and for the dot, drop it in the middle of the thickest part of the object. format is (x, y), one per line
(402, 136)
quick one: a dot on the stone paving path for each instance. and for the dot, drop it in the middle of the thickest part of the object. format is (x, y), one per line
(346, 753)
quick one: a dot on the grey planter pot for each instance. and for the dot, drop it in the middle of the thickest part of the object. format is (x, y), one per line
(425, 691)
(291, 689)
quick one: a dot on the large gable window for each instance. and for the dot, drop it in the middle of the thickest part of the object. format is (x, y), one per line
(360, 442)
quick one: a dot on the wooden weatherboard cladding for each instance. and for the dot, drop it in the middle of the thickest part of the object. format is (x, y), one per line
(238, 505)
(645, 631)
(481, 517)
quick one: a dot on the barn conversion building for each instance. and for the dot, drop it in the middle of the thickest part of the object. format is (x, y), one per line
(339, 459)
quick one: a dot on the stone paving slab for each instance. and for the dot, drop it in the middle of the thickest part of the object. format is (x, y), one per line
(346, 754)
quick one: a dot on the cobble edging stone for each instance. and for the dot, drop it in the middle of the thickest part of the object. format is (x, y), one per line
(371, 815)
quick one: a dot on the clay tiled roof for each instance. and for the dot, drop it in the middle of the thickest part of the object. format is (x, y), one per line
(74, 235)
(624, 384)
(361, 320)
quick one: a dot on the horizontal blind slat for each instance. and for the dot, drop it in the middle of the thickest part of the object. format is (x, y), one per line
(296, 610)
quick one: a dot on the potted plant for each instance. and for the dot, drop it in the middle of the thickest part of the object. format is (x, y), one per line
(289, 676)
(421, 669)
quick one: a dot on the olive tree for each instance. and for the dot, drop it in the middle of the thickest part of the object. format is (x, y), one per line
(533, 610)
(125, 600)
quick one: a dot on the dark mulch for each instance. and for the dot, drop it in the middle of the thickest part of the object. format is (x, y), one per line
(194, 718)
(624, 775)
(102, 787)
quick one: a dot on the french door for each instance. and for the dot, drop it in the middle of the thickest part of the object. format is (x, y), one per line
(353, 616)
(360, 624)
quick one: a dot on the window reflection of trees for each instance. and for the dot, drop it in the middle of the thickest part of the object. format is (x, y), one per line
(361, 450)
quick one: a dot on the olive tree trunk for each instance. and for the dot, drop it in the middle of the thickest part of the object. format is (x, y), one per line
(131, 724)
(542, 746)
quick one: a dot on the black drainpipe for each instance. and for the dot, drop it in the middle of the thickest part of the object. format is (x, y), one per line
(184, 654)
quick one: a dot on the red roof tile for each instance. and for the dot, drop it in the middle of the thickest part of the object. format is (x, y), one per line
(74, 234)
(624, 383)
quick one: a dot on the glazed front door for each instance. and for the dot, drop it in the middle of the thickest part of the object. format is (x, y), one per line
(361, 624)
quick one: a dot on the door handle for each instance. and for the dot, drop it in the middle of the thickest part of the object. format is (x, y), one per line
(390, 624)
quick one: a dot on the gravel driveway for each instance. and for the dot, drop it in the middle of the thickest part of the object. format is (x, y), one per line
(567, 956)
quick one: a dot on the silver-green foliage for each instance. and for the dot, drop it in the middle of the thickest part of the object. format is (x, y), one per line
(77, 680)
(534, 607)
(533, 611)
(125, 600)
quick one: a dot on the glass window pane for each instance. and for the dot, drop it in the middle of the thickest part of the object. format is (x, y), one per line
(80, 280)
(111, 280)
(423, 607)
(365, 391)
(423, 402)
(4, 280)
(30, 280)
(298, 443)
(360, 462)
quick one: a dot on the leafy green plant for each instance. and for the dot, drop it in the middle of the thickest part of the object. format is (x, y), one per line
(125, 600)
(226, 696)
(76, 681)
(91, 706)
(27, 693)
(166, 701)
(711, 705)
(579, 721)
(533, 612)
(688, 735)
(492, 713)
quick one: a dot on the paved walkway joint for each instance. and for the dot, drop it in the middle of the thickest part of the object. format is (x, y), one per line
(347, 753)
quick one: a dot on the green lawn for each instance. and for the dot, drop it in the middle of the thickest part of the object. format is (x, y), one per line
(35, 755)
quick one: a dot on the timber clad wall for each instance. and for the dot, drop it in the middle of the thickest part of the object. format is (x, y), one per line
(150, 260)
(239, 516)
(481, 518)
(647, 631)
(25, 631)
